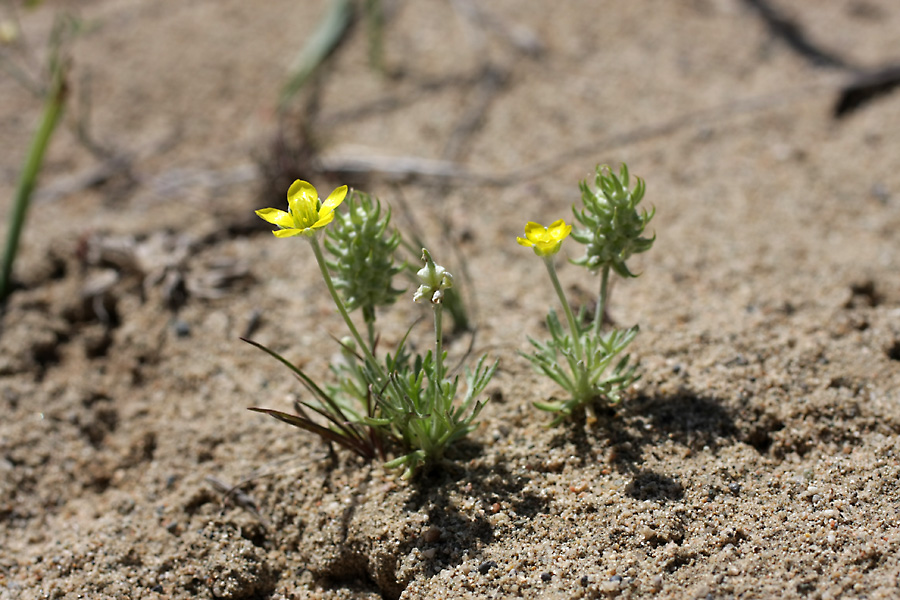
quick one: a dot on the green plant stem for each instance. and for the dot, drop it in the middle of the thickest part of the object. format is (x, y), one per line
(320, 259)
(53, 109)
(601, 302)
(438, 350)
(375, 26)
(576, 338)
(370, 330)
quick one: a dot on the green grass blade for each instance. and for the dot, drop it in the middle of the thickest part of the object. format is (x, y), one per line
(303, 376)
(53, 110)
(319, 45)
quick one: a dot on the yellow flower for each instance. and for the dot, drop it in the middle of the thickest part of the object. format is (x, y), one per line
(306, 212)
(545, 240)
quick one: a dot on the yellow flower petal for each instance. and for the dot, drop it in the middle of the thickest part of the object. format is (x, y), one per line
(532, 229)
(559, 231)
(324, 220)
(276, 217)
(334, 200)
(524, 242)
(302, 189)
(556, 224)
(283, 233)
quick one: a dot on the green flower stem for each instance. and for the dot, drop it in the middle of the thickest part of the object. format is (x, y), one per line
(438, 350)
(601, 302)
(576, 338)
(320, 259)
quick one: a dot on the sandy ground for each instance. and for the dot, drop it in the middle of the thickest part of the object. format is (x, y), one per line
(757, 457)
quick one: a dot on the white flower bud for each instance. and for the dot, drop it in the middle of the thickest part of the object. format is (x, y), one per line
(435, 279)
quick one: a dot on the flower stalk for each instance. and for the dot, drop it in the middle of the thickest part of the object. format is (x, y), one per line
(435, 281)
(570, 317)
(320, 260)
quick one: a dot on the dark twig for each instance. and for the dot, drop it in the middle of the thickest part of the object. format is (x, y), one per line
(240, 498)
(866, 87)
(792, 34)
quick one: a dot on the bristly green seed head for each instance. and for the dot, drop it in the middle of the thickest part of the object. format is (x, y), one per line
(363, 251)
(612, 225)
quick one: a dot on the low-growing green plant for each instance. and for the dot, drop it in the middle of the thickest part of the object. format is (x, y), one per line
(586, 361)
(419, 404)
(400, 401)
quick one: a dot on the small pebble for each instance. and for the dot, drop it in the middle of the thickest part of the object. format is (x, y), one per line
(182, 328)
(486, 566)
(431, 535)
(546, 577)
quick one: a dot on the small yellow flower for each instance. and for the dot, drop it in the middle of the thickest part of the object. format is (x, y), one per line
(545, 240)
(306, 212)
